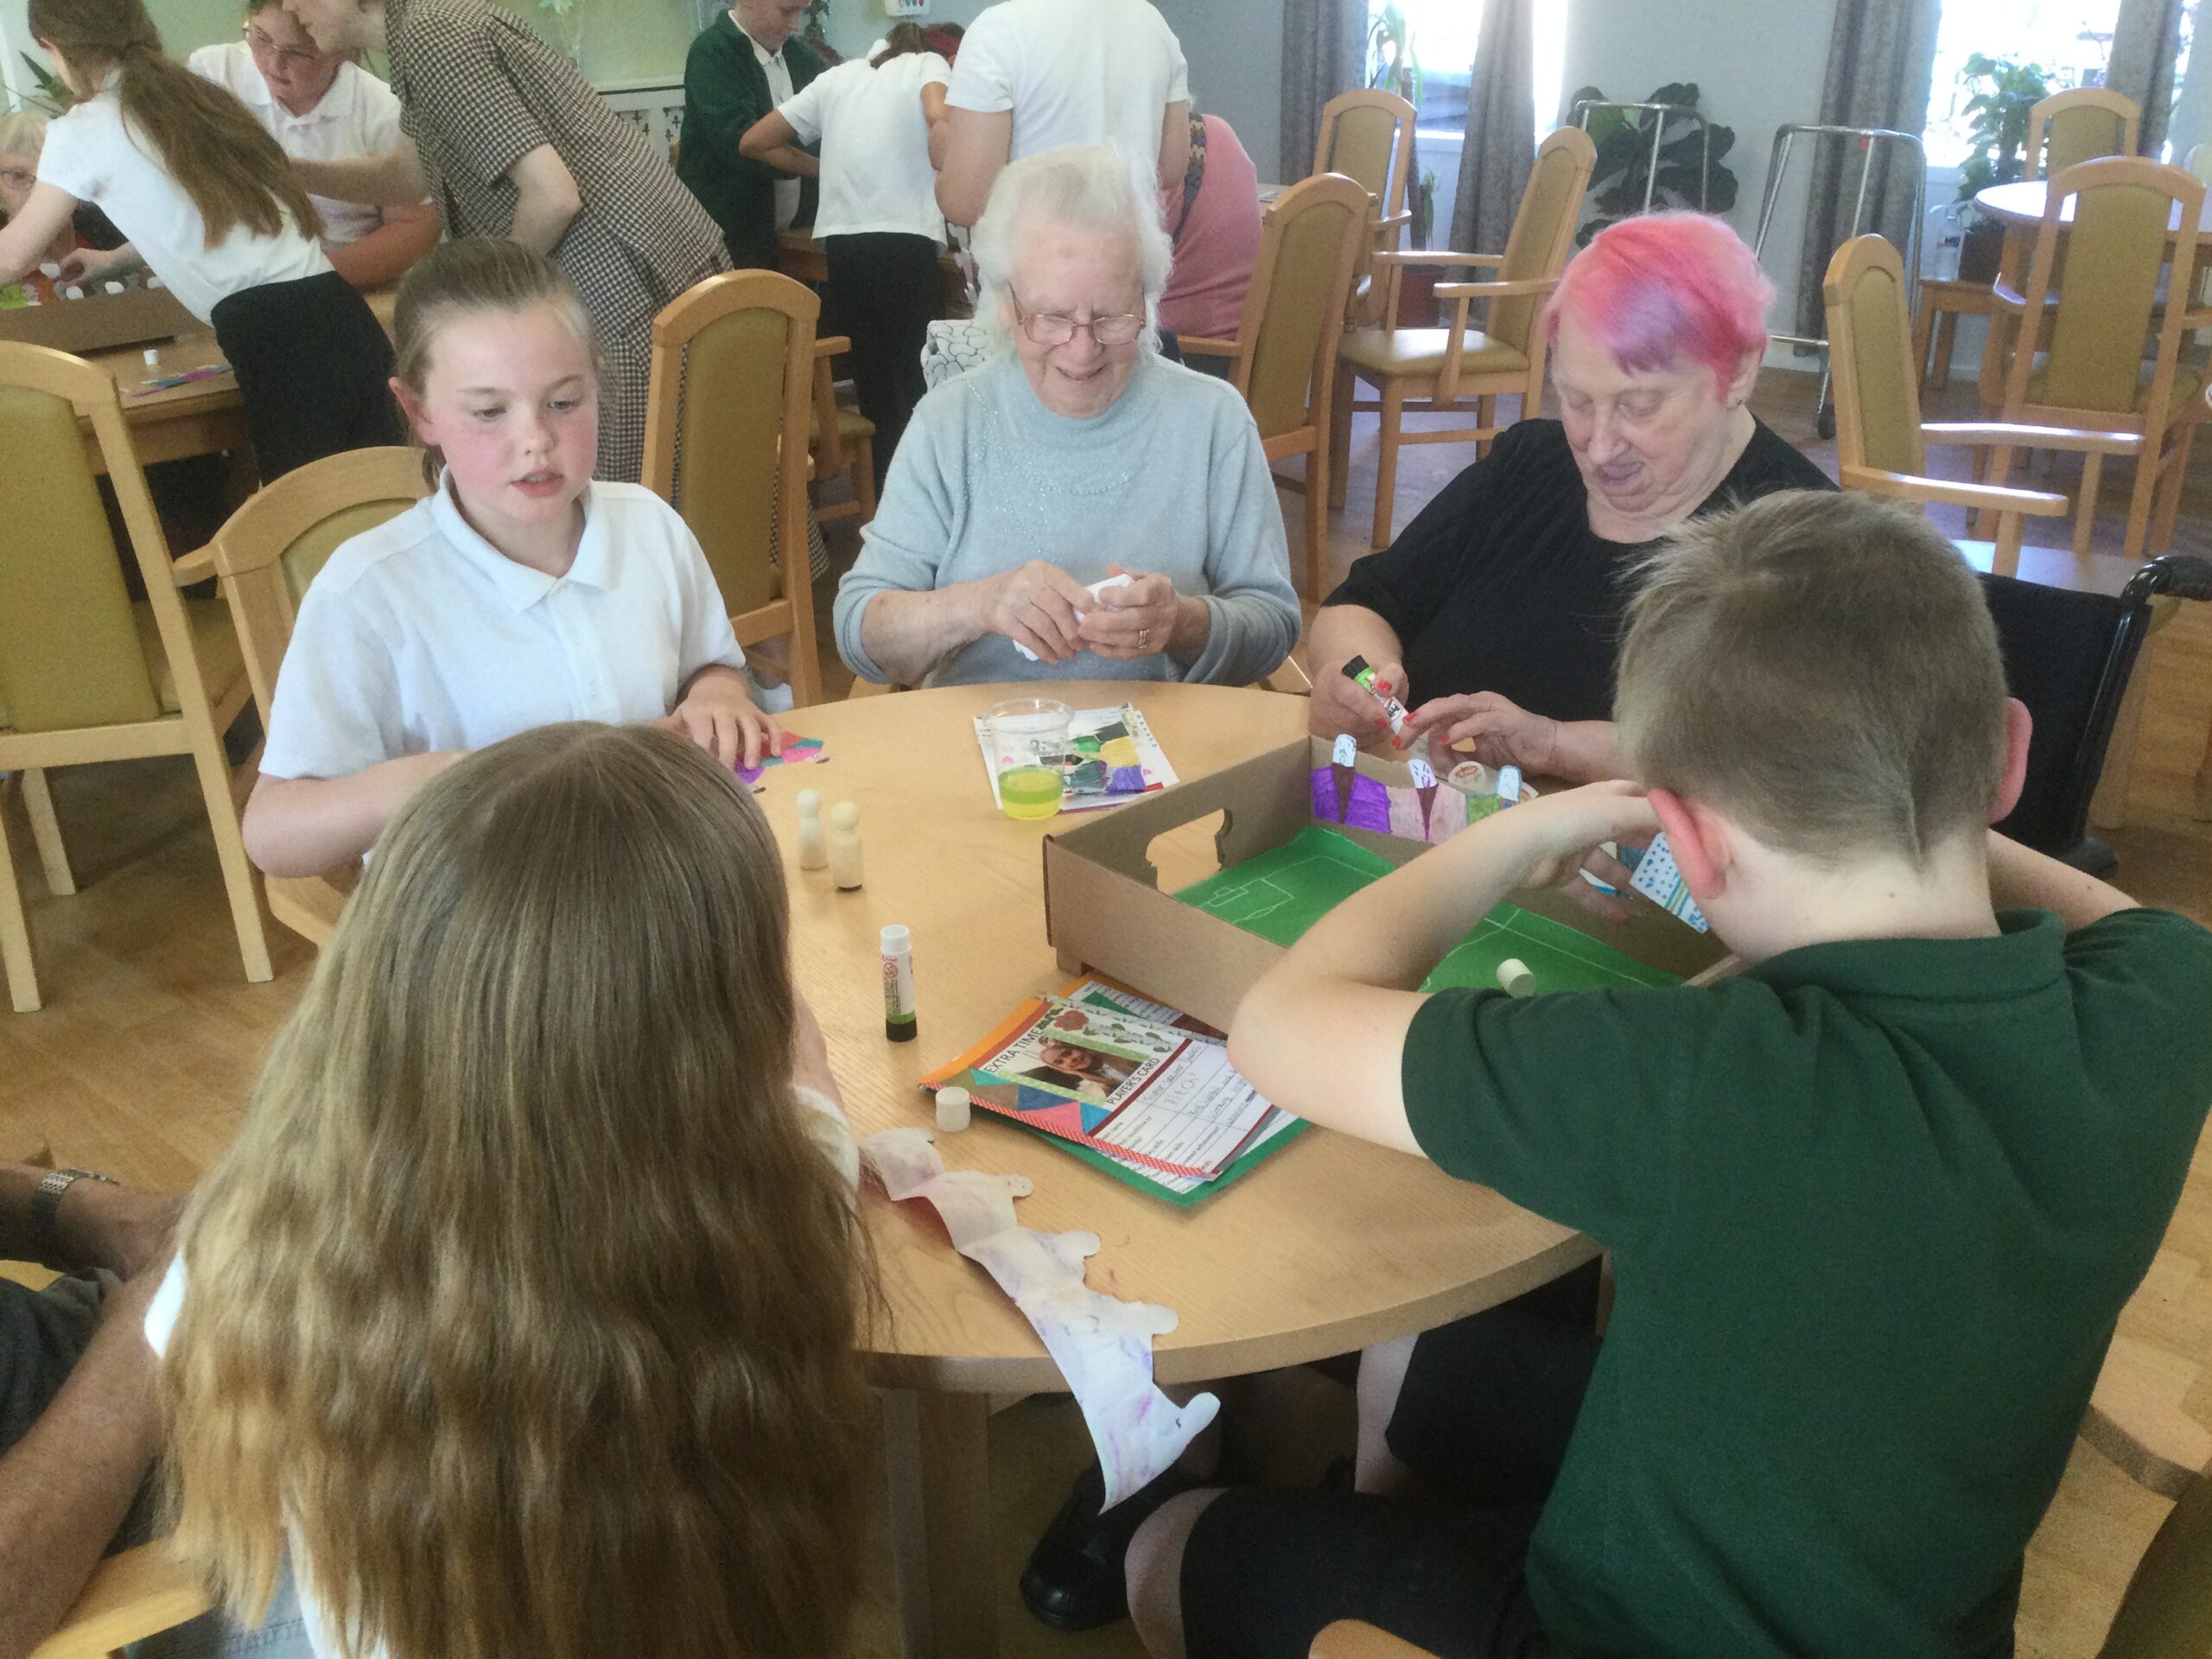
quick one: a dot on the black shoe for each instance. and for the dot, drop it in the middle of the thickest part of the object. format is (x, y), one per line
(1074, 1579)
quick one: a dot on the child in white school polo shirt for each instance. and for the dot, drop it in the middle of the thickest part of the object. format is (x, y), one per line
(419, 637)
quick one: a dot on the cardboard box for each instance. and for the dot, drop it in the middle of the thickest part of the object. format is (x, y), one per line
(1104, 911)
(101, 322)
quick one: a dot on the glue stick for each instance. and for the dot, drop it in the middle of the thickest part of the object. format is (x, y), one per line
(898, 1024)
(1361, 675)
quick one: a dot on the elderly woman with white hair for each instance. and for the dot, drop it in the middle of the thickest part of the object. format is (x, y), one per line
(1075, 455)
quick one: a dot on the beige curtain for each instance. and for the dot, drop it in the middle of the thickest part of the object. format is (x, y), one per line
(2146, 41)
(1501, 146)
(1881, 61)
(1324, 52)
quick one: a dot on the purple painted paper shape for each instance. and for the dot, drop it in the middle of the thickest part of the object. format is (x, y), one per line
(1370, 805)
(1325, 796)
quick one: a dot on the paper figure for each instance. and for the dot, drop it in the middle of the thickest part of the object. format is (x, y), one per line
(1657, 880)
(1424, 777)
(798, 752)
(1102, 1344)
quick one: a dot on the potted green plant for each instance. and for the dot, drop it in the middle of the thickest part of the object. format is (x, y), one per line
(816, 34)
(1624, 166)
(52, 97)
(2004, 90)
(1393, 66)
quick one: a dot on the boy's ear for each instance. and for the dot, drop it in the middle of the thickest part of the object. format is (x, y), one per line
(1700, 840)
(2019, 727)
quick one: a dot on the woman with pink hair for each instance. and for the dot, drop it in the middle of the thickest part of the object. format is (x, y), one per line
(1494, 615)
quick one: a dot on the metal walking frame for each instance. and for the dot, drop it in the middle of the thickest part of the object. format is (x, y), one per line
(1579, 115)
(1870, 140)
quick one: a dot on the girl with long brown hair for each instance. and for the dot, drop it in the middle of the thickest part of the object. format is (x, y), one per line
(209, 202)
(524, 1306)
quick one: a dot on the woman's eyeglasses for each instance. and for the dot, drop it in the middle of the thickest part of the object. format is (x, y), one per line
(1051, 329)
(267, 51)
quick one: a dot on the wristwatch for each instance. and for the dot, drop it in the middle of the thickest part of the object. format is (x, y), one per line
(46, 1204)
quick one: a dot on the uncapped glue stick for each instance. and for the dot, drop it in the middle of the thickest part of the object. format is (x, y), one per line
(1361, 675)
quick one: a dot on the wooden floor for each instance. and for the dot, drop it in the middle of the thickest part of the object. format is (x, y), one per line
(150, 1040)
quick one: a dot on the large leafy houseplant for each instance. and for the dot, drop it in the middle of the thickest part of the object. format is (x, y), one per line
(2003, 91)
(1393, 66)
(1622, 139)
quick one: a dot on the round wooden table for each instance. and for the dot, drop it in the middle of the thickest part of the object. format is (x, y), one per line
(1330, 1245)
(2019, 208)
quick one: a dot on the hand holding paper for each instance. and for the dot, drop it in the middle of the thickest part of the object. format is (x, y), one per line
(1073, 641)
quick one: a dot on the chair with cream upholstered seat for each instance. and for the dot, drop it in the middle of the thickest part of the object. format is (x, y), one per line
(1368, 137)
(726, 427)
(1441, 371)
(86, 674)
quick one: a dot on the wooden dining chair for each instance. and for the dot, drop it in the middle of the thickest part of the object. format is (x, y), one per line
(1283, 361)
(726, 426)
(1443, 371)
(2081, 126)
(841, 440)
(2091, 371)
(1368, 137)
(85, 673)
(1881, 441)
(263, 557)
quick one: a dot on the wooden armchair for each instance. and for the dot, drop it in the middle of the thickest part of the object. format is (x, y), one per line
(2090, 373)
(1442, 370)
(1283, 361)
(2081, 126)
(726, 445)
(840, 440)
(265, 556)
(1881, 441)
(86, 674)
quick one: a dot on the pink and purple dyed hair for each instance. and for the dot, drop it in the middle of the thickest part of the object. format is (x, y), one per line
(1665, 288)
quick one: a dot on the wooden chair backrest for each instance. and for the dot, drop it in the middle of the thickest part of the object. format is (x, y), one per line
(2077, 126)
(1294, 308)
(1871, 359)
(2114, 250)
(1543, 232)
(70, 652)
(1368, 137)
(274, 544)
(733, 369)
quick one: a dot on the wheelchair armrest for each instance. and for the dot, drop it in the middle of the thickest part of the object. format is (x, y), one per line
(2184, 576)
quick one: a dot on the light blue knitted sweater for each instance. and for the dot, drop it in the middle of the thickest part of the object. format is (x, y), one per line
(1170, 480)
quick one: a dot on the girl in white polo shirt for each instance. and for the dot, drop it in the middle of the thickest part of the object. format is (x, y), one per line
(208, 200)
(518, 594)
(878, 222)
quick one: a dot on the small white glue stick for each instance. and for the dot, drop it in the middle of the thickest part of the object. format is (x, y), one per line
(1513, 977)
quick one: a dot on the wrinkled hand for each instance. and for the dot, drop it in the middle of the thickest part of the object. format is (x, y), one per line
(1503, 733)
(1125, 623)
(1035, 605)
(720, 716)
(1341, 704)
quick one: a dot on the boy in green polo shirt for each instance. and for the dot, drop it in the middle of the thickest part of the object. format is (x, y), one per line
(1875, 1202)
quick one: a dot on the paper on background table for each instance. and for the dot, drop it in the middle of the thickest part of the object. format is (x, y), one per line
(1085, 722)
(1658, 879)
(1102, 1344)
(798, 752)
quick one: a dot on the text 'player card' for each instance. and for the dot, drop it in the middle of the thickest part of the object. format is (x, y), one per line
(1657, 880)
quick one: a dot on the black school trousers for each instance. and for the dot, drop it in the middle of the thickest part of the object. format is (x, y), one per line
(884, 289)
(313, 367)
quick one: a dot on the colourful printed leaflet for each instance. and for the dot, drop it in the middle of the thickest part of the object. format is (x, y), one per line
(1139, 1091)
(798, 752)
(1111, 757)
